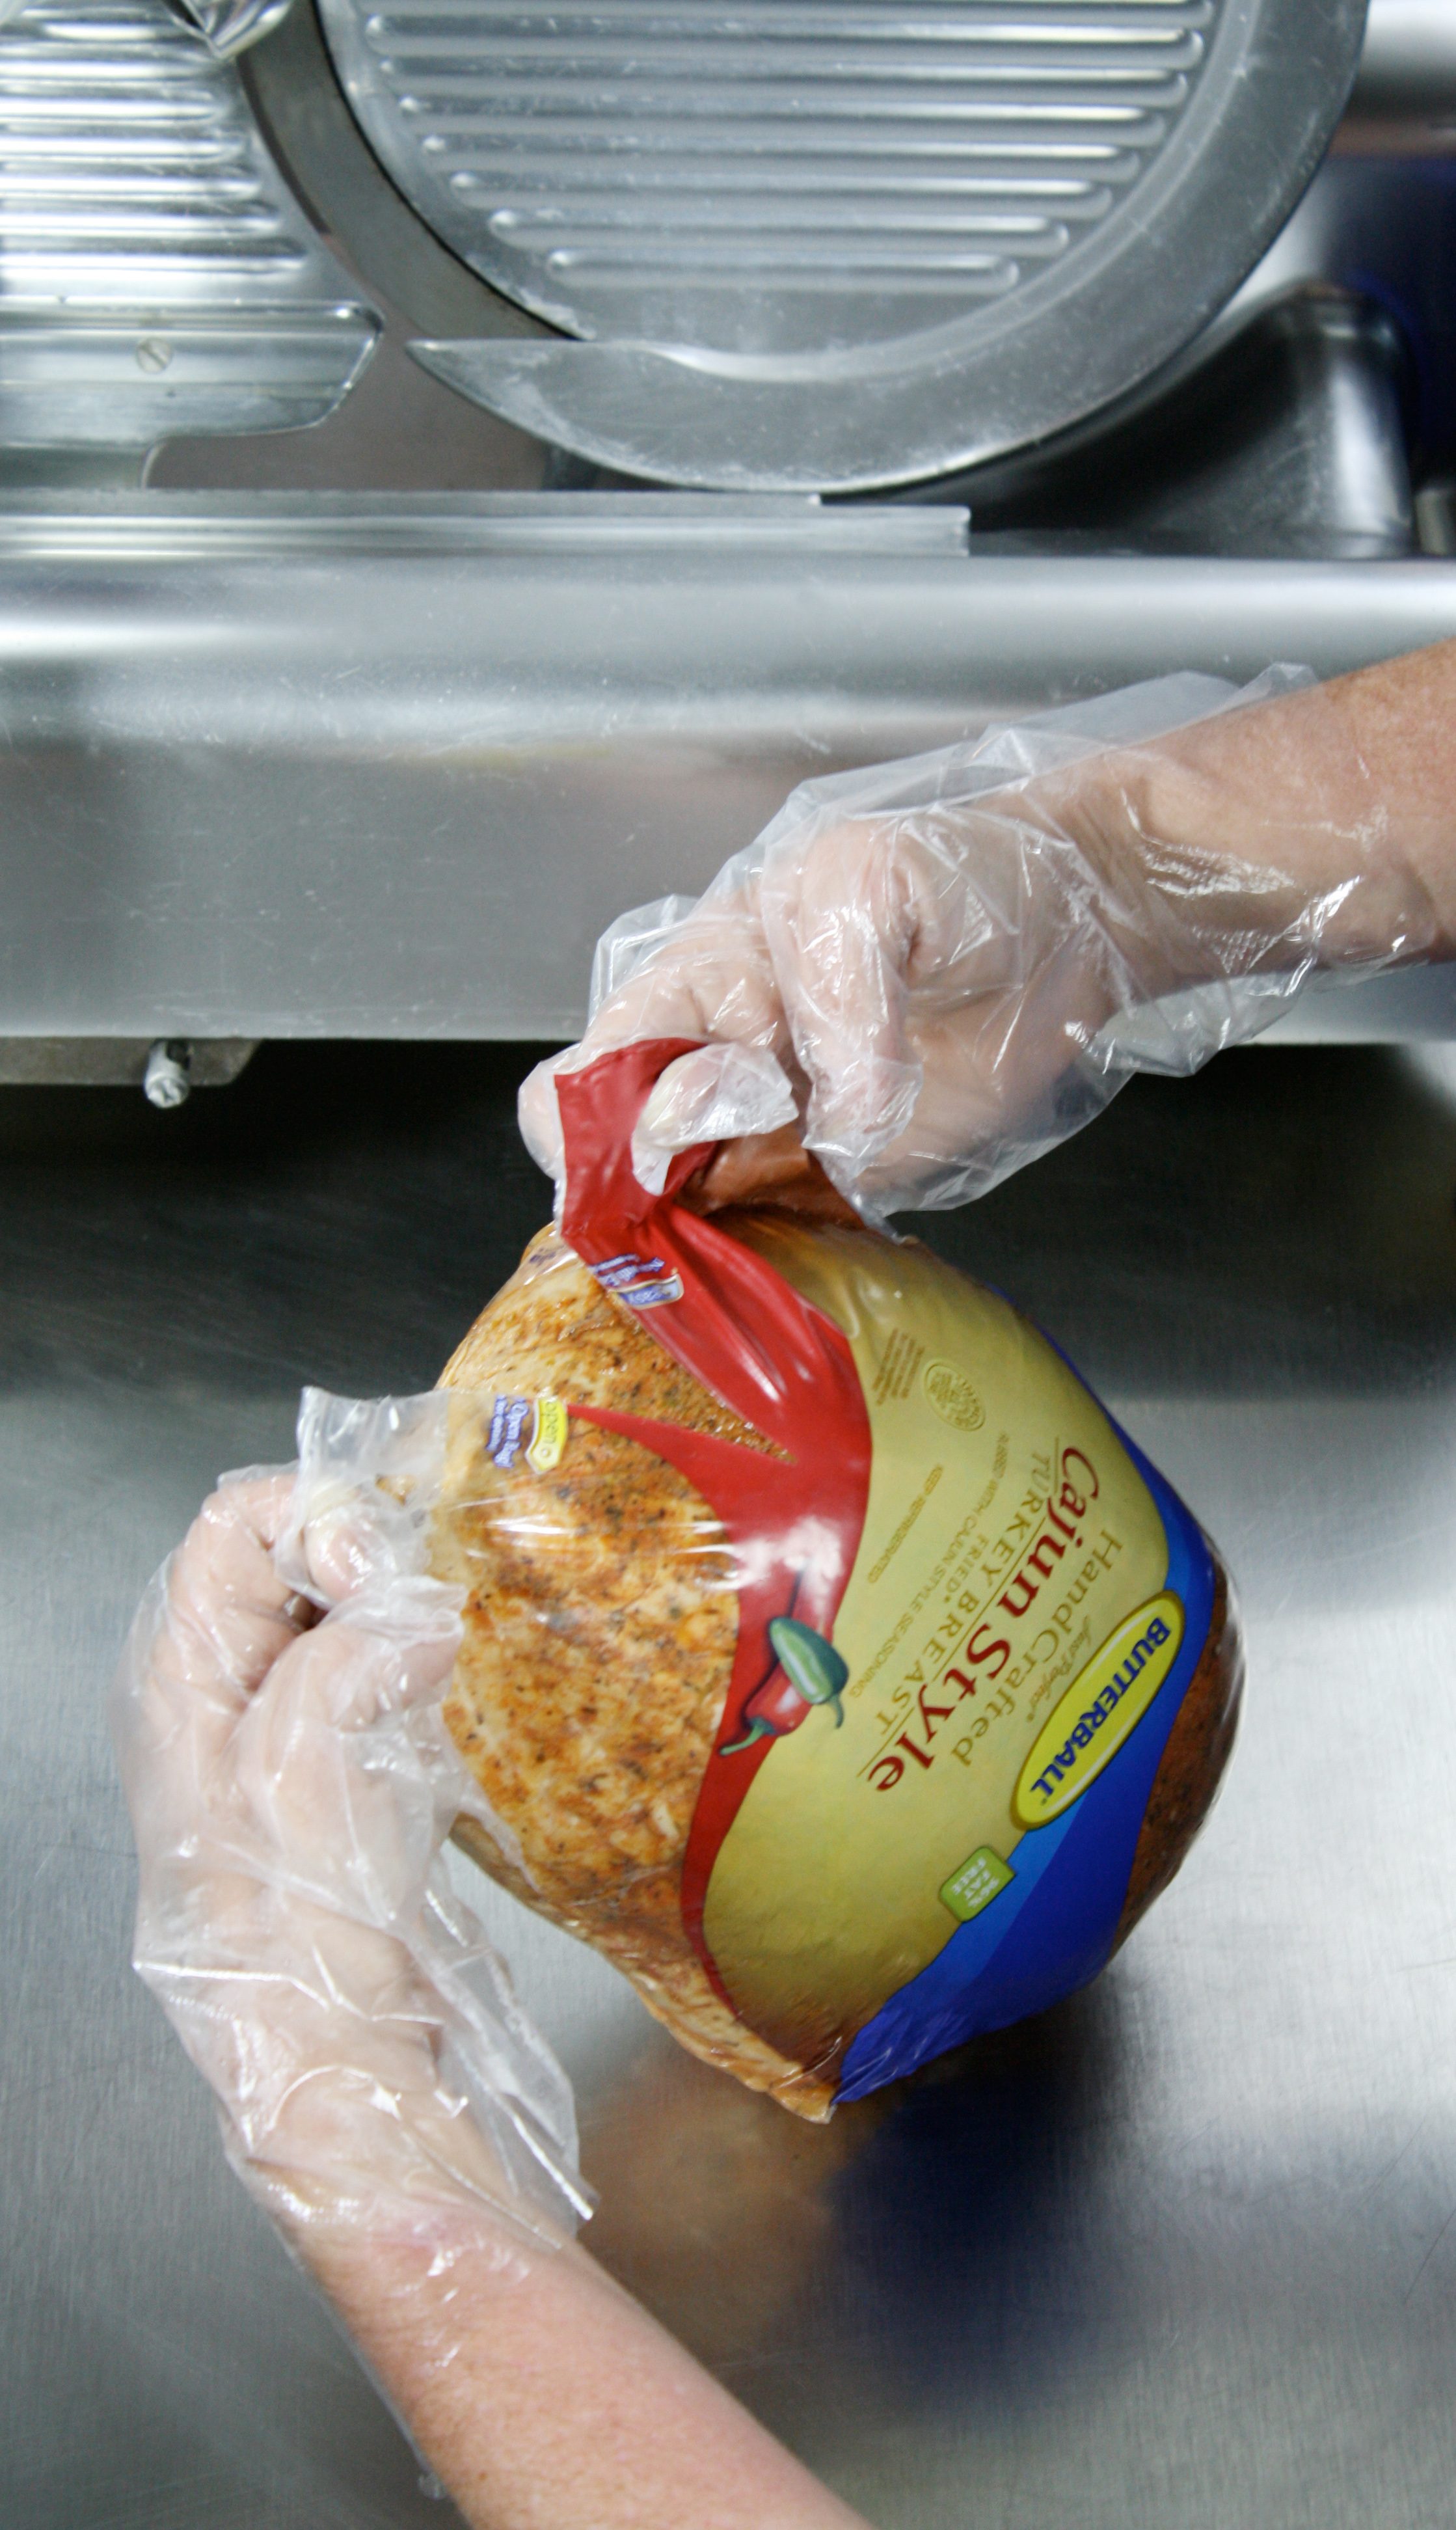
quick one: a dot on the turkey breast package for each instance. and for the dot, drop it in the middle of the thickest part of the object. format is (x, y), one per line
(832, 1661)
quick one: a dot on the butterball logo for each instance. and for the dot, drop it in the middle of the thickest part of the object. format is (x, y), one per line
(1099, 1710)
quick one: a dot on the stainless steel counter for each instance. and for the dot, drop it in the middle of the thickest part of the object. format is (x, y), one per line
(1179, 2256)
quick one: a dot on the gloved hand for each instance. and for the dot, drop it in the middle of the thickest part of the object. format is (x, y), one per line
(291, 1780)
(278, 1718)
(927, 973)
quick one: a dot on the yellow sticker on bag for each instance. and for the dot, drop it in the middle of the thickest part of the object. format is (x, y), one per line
(549, 1439)
(1101, 1708)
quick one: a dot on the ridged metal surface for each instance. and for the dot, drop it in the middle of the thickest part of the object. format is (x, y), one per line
(776, 176)
(817, 245)
(155, 272)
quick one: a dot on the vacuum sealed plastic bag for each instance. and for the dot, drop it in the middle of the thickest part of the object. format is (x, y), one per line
(832, 1662)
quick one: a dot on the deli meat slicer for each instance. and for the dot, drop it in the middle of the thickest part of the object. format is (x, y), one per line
(512, 443)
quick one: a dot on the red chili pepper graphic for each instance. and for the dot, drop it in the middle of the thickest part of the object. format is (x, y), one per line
(807, 1672)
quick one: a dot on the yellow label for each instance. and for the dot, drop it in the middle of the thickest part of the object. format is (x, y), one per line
(1004, 1540)
(549, 1439)
(1099, 1710)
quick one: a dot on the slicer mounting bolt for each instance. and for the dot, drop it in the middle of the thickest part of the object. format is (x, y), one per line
(167, 1078)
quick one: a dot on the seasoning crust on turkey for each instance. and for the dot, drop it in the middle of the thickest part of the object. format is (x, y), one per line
(600, 1627)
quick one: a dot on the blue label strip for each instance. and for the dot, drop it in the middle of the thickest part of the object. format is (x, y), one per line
(1051, 1929)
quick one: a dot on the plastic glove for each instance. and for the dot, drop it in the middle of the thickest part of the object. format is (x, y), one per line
(291, 1780)
(278, 1716)
(948, 964)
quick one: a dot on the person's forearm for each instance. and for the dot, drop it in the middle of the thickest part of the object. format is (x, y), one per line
(1341, 794)
(545, 2399)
